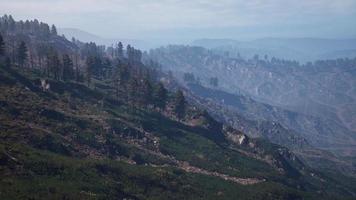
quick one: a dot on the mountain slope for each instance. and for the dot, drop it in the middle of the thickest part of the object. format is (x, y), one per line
(316, 100)
(233, 110)
(82, 146)
(81, 121)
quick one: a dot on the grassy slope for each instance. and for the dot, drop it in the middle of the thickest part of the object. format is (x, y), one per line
(56, 145)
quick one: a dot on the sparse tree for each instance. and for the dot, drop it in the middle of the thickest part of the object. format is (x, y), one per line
(116, 80)
(129, 53)
(53, 30)
(133, 87)
(68, 73)
(22, 53)
(179, 104)
(120, 50)
(89, 70)
(124, 74)
(53, 64)
(146, 91)
(160, 96)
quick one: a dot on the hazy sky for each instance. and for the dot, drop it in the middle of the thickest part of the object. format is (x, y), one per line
(190, 19)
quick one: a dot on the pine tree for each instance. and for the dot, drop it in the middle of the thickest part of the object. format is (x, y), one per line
(124, 74)
(2, 46)
(146, 91)
(116, 80)
(106, 68)
(120, 50)
(129, 52)
(121, 77)
(89, 70)
(68, 73)
(45, 31)
(53, 64)
(78, 75)
(22, 53)
(12, 23)
(53, 30)
(56, 67)
(132, 92)
(179, 104)
(160, 96)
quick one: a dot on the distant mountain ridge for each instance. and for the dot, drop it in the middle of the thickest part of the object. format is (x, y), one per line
(89, 37)
(300, 49)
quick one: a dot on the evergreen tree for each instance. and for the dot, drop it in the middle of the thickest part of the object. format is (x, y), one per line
(120, 50)
(11, 23)
(22, 53)
(146, 91)
(68, 73)
(132, 92)
(107, 68)
(179, 104)
(97, 67)
(129, 53)
(120, 77)
(2, 46)
(116, 80)
(160, 96)
(53, 64)
(89, 70)
(137, 55)
(44, 31)
(56, 67)
(124, 74)
(53, 30)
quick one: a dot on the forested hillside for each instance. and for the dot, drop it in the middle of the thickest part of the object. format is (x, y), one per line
(81, 121)
(315, 99)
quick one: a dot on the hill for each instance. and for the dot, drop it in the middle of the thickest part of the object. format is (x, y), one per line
(70, 142)
(82, 121)
(316, 99)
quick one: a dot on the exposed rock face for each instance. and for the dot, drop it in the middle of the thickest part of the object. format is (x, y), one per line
(281, 159)
(238, 138)
(203, 119)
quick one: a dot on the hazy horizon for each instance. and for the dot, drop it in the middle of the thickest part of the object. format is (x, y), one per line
(182, 21)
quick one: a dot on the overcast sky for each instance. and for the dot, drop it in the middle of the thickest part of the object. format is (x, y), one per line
(191, 19)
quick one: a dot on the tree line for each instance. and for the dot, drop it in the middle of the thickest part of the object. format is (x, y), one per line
(57, 58)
